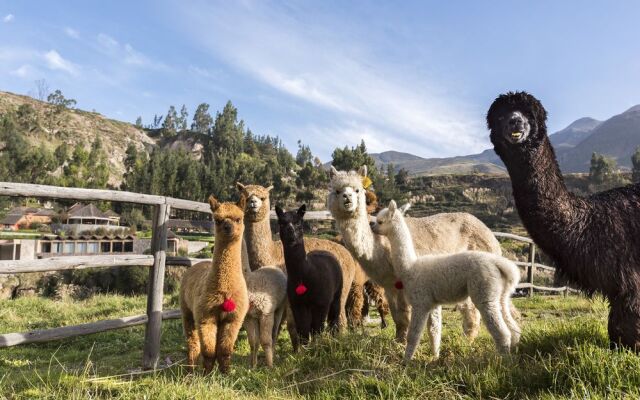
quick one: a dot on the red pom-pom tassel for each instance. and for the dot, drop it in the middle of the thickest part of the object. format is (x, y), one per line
(228, 305)
(398, 285)
(301, 289)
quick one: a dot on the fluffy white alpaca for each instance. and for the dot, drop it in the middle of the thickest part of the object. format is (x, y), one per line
(444, 233)
(433, 280)
(267, 290)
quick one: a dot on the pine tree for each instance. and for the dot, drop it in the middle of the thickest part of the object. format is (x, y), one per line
(182, 119)
(170, 125)
(202, 120)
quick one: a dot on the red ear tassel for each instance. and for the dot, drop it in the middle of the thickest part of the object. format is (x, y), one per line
(301, 289)
(228, 305)
(398, 285)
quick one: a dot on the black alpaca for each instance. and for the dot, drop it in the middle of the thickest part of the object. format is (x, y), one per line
(595, 240)
(314, 279)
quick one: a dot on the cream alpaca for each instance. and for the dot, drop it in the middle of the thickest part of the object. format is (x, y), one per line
(267, 287)
(439, 234)
(433, 280)
(263, 250)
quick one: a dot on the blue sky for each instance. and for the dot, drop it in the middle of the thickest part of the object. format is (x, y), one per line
(407, 76)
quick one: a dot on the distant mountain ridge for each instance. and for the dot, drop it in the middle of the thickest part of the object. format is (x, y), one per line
(617, 137)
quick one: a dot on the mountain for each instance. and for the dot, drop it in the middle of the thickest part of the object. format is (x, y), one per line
(617, 137)
(573, 134)
(51, 127)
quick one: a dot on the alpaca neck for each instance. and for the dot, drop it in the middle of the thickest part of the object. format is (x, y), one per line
(546, 207)
(295, 257)
(403, 253)
(358, 236)
(260, 245)
(227, 264)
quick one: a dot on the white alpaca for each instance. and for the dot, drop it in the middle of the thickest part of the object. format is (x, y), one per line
(433, 280)
(267, 290)
(444, 233)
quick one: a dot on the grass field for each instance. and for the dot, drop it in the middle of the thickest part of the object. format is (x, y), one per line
(564, 353)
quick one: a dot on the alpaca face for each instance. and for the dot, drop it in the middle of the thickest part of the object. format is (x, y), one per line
(516, 119)
(228, 219)
(385, 219)
(291, 226)
(346, 193)
(258, 204)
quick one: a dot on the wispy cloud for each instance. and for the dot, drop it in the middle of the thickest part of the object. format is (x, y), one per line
(23, 71)
(8, 18)
(334, 73)
(126, 54)
(72, 33)
(56, 62)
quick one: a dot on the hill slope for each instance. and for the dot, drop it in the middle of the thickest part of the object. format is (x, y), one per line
(75, 126)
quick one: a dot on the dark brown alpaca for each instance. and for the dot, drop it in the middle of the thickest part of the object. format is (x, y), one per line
(593, 240)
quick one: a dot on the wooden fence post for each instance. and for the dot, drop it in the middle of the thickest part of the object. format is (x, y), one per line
(532, 259)
(156, 285)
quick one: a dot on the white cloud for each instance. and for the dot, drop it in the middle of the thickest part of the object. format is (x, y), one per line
(108, 43)
(337, 75)
(23, 71)
(8, 18)
(126, 53)
(72, 33)
(56, 62)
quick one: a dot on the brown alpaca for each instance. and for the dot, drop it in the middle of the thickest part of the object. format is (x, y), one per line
(263, 250)
(213, 295)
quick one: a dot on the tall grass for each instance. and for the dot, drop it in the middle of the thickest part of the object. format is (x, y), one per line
(564, 353)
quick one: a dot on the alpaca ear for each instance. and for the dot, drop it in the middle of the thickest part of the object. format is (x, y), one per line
(333, 172)
(242, 201)
(363, 171)
(213, 203)
(392, 207)
(240, 186)
(405, 208)
(269, 188)
(279, 212)
(302, 210)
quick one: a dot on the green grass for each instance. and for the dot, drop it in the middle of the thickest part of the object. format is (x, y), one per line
(563, 354)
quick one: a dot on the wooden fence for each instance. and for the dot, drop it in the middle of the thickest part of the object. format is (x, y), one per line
(157, 261)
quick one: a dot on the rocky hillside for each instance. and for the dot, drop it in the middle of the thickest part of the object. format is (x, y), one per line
(51, 127)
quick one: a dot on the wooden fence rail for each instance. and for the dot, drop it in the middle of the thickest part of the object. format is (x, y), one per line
(157, 261)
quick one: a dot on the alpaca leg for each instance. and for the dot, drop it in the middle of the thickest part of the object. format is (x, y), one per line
(291, 328)
(277, 320)
(364, 312)
(416, 327)
(266, 337)
(400, 312)
(434, 326)
(319, 316)
(226, 338)
(492, 315)
(333, 316)
(302, 316)
(193, 340)
(470, 318)
(356, 304)
(624, 323)
(207, 330)
(509, 320)
(252, 327)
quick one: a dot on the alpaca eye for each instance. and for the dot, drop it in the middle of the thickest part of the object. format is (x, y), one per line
(263, 198)
(337, 192)
(237, 220)
(357, 190)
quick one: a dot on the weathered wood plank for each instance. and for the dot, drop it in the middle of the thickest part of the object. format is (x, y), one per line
(74, 262)
(151, 353)
(536, 265)
(512, 237)
(65, 332)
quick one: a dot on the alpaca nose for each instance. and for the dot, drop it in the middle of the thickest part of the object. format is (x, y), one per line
(372, 224)
(516, 123)
(227, 227)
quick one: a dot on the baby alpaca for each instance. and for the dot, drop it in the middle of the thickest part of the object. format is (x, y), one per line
(267, 287)
(314, 279)
(213, 295)
(433, 280)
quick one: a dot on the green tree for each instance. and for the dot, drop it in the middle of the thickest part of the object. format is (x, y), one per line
(228, 132)
(57, 99)
(139, 122)
(635, 160)
(202, 120)
(604, 174)
(304, 154)
(352, 158)
(170, 124)
(402, 177)
(183, 118)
